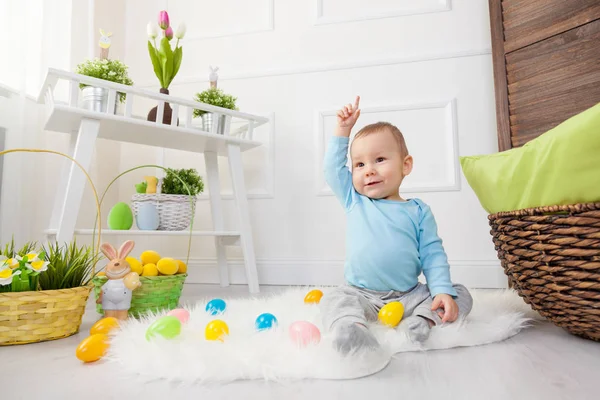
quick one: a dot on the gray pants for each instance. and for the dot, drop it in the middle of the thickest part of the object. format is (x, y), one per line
(352, 304)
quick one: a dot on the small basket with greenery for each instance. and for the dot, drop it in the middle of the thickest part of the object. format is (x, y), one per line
(109, 70)
(175, 198)
(43, 290)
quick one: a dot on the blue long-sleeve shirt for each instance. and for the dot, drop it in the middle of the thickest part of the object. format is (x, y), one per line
(388, 243)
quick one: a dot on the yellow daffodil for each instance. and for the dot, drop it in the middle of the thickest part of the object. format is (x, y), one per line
(37, 266)
(6, 276)
(12, 263)
(30, 257)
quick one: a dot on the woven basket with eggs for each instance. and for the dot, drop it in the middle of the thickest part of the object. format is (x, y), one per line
(162, 281)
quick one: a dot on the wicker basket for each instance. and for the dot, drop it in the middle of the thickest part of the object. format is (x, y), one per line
(175, 212)
(156, 293)
(552, 258)
(36, 316)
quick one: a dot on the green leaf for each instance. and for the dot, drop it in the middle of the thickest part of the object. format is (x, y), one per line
(177, 61)
(166, 60)
(156, 63)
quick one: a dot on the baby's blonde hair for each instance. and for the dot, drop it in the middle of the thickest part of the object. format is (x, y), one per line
(381, 126)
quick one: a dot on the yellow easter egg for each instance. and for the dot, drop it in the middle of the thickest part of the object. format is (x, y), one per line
(101, 273)
(104, 326)
(216, 329)
(391, 314)
(313, 297)
(182, 267)
(92, 348)
(135, 264)
(167, 266)
(149, 257)
(150, 270)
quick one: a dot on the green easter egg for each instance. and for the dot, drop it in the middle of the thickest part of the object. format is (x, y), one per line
(168, 327)
(120, 217)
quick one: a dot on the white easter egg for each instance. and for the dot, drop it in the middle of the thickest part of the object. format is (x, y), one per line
(147, 217)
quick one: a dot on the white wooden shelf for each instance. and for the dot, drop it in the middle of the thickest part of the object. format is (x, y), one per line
(229, 238)
(85, 126)
(64, 118)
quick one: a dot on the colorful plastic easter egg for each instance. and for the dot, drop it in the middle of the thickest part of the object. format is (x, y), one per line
(391, 314)
(132, 281)
(92, 348)
(181, 314)
(216, 306)
(146, 217)
(104, 326)
(304, 333)
(313, 297)
(216, 330)
(167, 327)
(265, 321)
(120, 217)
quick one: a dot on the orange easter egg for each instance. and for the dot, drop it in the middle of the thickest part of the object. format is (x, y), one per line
(92, 348)
(313, 297)
(104, 325)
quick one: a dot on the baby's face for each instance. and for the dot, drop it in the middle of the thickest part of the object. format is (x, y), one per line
(378, 167)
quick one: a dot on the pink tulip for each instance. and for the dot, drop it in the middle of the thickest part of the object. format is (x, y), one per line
(163, 20)
(169, 33)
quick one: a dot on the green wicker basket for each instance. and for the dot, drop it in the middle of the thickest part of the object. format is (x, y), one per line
(157, 293)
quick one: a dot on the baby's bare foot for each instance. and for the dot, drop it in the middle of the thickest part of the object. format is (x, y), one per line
(354, 336)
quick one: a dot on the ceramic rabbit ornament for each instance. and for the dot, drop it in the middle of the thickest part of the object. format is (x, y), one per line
(116, 293)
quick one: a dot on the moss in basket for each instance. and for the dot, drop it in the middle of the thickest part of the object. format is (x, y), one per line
(172, 185)
(69, 266)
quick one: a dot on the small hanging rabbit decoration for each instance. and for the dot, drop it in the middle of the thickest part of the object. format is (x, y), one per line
(104, 43)
(213, 76)
(116, 293)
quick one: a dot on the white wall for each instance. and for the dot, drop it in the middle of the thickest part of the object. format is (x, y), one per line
(425, 66)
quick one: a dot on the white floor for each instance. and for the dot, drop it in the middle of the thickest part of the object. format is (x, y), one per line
(543, 362)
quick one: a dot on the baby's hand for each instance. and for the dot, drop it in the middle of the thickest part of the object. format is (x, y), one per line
(449, 306)
(346, 118)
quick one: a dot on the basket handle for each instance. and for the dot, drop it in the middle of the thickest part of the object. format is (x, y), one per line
(89, 180)
(149, 166)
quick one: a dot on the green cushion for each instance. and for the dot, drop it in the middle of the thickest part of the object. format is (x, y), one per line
(562, 166)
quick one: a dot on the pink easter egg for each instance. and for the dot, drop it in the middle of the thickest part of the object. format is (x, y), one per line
(181, 314)
(304, 333)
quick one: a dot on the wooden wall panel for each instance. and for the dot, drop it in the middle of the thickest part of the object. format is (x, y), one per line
(529, 21)
(553, 80)
(546, 58)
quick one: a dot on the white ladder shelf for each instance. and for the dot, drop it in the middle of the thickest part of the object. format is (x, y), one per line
(85, 126)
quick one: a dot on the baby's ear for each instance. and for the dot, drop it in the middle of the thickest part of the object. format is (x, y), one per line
(408, 165)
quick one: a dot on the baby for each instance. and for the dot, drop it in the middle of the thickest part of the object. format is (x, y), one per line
(389, 240)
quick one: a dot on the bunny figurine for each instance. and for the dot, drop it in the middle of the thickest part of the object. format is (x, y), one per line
(213, 76)
(115, 294)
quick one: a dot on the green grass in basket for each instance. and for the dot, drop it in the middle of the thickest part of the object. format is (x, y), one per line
(69, 266)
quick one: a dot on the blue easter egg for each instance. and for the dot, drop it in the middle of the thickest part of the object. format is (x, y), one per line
(216, 306)
(265, 321)
(147, 218)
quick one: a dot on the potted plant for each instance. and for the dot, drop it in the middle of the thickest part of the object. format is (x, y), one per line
(96, 98)
(43, 291)
(174, 204)
(215, 97)
(165, 60)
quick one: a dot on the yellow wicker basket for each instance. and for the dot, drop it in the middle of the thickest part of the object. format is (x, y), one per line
(37, 316)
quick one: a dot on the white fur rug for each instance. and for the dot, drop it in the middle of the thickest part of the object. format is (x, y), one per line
(271, 355)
